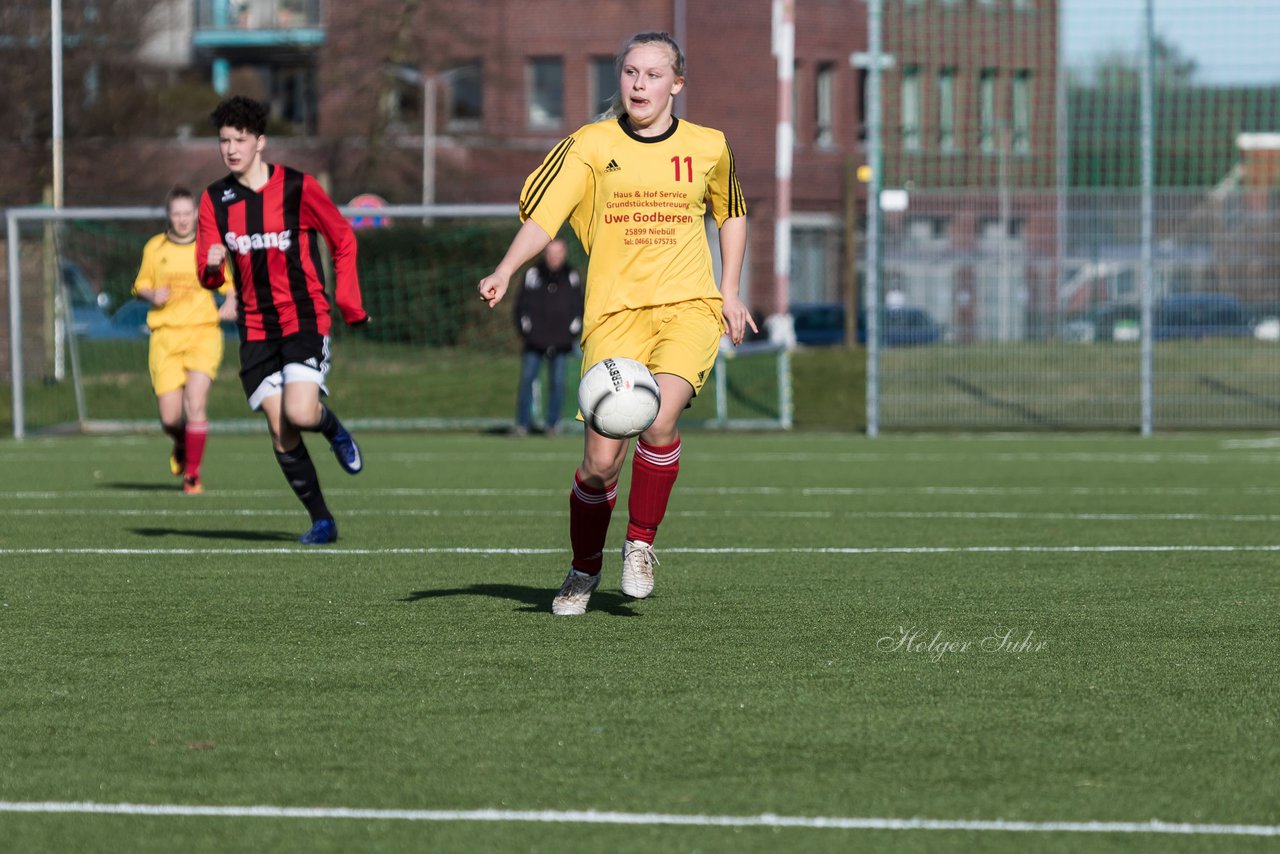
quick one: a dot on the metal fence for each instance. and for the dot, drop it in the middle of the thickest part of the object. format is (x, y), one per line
(1073, 204)
(434, 357)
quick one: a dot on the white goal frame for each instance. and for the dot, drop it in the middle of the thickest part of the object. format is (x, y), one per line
(16, 216)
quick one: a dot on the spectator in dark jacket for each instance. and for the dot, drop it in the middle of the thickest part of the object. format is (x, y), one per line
(549, 316)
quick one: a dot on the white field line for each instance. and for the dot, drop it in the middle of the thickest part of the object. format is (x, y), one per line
(693, 514)
(806, 491)
(823, 458)
(1104, 457)
(1154, 826)
(312, 551)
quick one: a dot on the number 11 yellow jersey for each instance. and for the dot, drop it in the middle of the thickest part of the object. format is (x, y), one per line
(637, 204)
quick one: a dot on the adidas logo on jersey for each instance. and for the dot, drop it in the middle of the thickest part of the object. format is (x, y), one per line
(613, 166)
(228, 194)
(246, 243)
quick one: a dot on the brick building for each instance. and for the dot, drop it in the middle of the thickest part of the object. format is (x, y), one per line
(514, 79)
(968, 118)
(968, 125)
(969, 132)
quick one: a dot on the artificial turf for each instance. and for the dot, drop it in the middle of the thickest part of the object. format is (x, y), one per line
(165, 649)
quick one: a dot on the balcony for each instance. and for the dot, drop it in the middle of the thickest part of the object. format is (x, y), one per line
(258, 23)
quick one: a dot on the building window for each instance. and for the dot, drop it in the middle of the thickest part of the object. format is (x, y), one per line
(864, 77)
(815, 260)
(603, 85)
(466, 95)
(987, 122)
(293, 96)
(824, 88)
(911, 109)
(402, 100)
(947, 109)
(1022, 112)
(927, 229)
(546, 92)
(795, 104)
(993, 229)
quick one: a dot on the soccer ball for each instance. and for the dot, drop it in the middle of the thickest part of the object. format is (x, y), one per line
(618, 398)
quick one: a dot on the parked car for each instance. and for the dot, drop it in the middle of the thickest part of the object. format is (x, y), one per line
(129, 321)
(1266, 320)
(822, 324)
(1201, 316)
(1174, 317)
(819, 324)
(92, 318)
(1104, 322)
(91, 315)
(90, 307)
(905, 326)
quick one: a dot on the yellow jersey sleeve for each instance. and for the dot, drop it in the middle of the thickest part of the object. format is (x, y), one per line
(723, 190)
(558, 188)
(147, 270)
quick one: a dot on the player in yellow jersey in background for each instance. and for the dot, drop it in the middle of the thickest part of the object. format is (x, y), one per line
(635, 187)
(186, 342)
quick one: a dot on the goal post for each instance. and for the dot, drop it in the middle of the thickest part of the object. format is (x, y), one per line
(434, 357)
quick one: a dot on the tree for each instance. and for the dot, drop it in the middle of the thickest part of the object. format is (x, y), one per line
(1121, 69)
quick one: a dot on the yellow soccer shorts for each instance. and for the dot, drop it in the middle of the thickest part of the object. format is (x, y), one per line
(177, 350)
(682, 338)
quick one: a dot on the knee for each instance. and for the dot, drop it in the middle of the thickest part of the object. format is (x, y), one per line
(601, 468)
(304, 416)
(662, 432)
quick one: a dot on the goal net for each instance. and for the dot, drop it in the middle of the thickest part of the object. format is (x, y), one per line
(434, 357)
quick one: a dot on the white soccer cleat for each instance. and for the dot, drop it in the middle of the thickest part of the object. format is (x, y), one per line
(638, 561)
(574, 594)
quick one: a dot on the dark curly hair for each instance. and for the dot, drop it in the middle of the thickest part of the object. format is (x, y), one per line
(241, 113)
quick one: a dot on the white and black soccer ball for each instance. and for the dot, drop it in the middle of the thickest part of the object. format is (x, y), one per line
(618, 397)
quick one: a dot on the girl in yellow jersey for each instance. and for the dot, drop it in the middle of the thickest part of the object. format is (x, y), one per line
(635, 187)
(186, 342)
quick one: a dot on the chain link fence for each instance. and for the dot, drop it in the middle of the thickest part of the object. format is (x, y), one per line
(1078, 198)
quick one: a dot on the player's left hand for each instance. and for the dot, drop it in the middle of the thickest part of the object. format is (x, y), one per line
(737, 318)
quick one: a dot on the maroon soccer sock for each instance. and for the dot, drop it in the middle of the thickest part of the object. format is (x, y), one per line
(653, 473)
(589, 512)
(196, 435)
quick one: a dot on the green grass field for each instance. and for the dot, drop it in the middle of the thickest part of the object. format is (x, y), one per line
(1215, 384)
(160, 649)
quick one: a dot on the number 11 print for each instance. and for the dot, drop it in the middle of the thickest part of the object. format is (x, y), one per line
(688, 166)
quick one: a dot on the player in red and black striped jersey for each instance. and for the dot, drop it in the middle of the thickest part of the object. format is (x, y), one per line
(268, 220)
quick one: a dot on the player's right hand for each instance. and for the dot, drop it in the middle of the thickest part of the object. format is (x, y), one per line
(159, 297)
(217, 254)
(493, 288)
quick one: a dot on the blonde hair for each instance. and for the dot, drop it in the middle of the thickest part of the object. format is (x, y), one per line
(639, 40)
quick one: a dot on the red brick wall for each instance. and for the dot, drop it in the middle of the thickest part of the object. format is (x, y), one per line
(731, 86)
